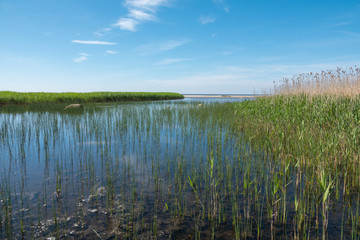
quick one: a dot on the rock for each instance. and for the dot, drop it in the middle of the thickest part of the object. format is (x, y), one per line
(74, 106)
(93, 210)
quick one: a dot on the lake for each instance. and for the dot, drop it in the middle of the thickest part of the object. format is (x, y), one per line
(143, 170)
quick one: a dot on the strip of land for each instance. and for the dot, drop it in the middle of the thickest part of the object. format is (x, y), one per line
(7, 97)
(219, 96)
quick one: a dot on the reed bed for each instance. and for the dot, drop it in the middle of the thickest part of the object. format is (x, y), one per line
(7, 97)
(333, 82)
(310, 128)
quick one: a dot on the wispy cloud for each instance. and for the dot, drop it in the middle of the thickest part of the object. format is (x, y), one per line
(80, 59)
(102, 32)
(341, 24)
(169, 45)
(84, 54)
(141, 15)
(149, 5)
(128, 24)
(83, 57)
(206, 19)
(222, 4)
(111, 52)
(98, 34)
(139, 11)
(157, 47)
(93, 42)
(168, 61)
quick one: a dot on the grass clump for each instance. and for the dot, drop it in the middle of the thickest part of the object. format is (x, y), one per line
(8, 97)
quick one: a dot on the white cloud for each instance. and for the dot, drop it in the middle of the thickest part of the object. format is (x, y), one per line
(169, 45)
(111, 52)
(98, 34)
(126, 24)
(102, 32)
(141, 15)
(153, 48)
(139, 11)
(80, 59)
(93, 42)
(206, 19)
(223, 5)
(149, 5)
(168, 61)
(83, 57)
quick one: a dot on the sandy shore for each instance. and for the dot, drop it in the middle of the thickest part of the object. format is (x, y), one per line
(219, 96)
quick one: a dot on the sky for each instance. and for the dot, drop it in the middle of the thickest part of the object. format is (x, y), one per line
(184, 46)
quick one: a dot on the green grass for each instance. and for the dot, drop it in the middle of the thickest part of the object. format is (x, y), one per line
(315, 131)
(315, 137)
(8, 97)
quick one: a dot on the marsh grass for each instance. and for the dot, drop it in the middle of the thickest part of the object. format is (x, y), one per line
(310, 129)
(316, 138)
(8, 97)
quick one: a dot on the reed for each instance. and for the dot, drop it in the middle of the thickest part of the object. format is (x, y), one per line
(332, 82)
(8, 97)
(308, 128)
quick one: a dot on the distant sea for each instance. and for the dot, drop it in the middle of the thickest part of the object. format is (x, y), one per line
(222, 94)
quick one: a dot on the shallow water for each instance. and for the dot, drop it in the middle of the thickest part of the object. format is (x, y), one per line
(123, 171)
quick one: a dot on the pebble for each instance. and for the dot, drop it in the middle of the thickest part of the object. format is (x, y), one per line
(93, 210)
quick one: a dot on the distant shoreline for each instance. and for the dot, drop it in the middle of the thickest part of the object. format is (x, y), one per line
(220, 96)
(18, 98)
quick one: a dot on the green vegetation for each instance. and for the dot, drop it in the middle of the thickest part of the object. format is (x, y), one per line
(310, 129)
(7, 97)
(317, 132)
(317, 140)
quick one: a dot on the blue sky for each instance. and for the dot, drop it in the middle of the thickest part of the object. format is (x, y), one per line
(186, 46)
